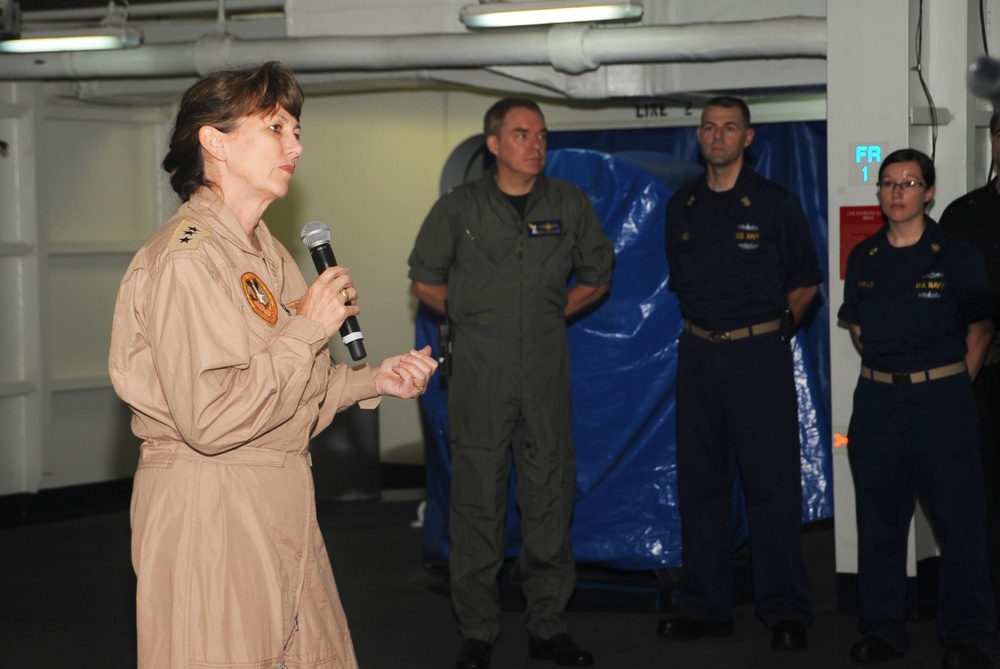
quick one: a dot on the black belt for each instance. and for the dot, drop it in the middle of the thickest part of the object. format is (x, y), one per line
(903, 378)
(733, 335)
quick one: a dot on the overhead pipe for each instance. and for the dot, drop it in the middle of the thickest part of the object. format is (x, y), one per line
(152, 10)
(572, 49)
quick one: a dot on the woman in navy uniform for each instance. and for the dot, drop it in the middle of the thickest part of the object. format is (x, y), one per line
(918, 305)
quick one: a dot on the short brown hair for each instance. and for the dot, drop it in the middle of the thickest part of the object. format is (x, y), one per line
(496, 114)
(220, 100)
(729, 102)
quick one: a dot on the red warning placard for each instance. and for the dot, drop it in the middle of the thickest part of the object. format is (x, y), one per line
(856, 224)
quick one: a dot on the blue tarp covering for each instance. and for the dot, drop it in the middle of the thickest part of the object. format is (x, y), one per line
(623, 354)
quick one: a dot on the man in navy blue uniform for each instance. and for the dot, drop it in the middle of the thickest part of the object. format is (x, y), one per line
(975, 217)
(745, 270)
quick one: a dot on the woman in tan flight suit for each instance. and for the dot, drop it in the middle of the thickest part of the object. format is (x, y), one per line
(219, 348)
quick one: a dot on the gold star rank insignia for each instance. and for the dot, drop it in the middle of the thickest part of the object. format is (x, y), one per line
(187, 237)
(260, 298)
(746, 201)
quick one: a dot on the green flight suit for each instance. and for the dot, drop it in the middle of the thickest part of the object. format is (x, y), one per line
(509, 392)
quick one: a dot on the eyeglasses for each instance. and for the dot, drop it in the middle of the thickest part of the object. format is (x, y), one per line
(906, 186)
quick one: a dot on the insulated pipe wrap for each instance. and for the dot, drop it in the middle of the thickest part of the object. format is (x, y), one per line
(572, 49)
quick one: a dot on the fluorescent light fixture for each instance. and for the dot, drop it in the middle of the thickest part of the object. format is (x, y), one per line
(545, 12)
(77, 39)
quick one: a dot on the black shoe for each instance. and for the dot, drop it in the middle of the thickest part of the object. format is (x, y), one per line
(474, 654)
(687, 629)
(560, 649)
(964, 656)
(873, 650)
(789, 635)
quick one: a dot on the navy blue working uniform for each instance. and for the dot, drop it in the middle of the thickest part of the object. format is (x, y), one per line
(975, 217)
(734, 257)
(914, 430)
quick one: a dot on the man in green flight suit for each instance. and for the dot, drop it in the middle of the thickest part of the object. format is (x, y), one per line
(501, 251)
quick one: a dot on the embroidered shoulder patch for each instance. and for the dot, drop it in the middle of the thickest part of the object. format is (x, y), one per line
(187, 237)
(260, 298)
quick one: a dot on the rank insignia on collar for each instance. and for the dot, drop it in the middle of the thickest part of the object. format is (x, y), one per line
(936, 248)
(187, 237)
(745, 200)
(690, 201)
(873, 251)
(260, 298)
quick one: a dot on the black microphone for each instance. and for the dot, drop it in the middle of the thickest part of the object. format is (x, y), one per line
(316, 236)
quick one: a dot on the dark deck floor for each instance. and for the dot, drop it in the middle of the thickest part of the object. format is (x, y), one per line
(67, 601)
